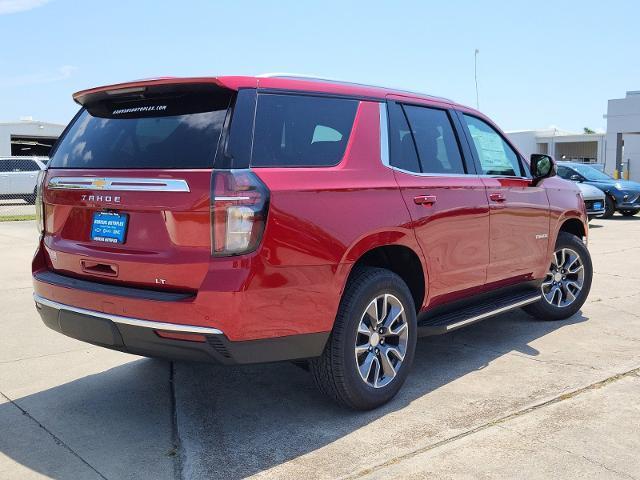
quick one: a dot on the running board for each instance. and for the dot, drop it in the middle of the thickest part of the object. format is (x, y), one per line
(447, 322)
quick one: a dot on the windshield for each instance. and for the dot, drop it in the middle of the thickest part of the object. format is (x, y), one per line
(591, 174)
(167, 133)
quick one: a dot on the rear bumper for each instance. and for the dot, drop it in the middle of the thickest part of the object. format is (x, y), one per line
(247, 299)
(141, 337)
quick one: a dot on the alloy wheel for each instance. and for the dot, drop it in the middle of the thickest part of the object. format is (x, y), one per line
(565, 278)
(381, 340)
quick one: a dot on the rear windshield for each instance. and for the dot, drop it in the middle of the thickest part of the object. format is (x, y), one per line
(301, 131)
(164, 133)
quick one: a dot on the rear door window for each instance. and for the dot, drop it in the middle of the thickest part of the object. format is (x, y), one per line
(401, 143)
(168, 132)
(301, 130)
(438, 149)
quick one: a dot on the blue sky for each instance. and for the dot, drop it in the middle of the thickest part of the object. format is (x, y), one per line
(540, 63)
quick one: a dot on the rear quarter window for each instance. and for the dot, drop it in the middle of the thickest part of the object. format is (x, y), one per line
(301, 131)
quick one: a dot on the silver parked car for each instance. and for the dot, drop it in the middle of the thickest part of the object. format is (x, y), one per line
(19, 176)
(594, 200)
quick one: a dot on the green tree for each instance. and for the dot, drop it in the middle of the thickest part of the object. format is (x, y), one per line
(588, 130)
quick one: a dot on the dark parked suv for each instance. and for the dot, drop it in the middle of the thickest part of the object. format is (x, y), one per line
(620, 195)
(253, 219)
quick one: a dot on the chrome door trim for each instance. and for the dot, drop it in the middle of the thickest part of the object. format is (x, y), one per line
(384, 135)
(136, 322)
(123, 184)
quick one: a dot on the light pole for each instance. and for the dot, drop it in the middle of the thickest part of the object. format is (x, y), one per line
(475, 74)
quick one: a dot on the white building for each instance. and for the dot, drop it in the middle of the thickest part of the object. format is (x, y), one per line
(563, 145)
(28, 138)
(619, 148)
(623, 135)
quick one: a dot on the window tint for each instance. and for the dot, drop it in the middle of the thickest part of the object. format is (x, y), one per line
(181, 132)
(11, 165)
(299, 130)
(495, 155)
(29, 166)
(435, 140)
(565, 172)
(401, 145)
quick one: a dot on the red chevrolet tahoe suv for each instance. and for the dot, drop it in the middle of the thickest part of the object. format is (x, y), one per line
(261, 219)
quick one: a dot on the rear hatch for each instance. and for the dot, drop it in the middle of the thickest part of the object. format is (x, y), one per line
(127, 192)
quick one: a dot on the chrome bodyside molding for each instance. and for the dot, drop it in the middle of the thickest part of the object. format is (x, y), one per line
(119, 184)
(384, 135)
(136, 322)
(491, 313)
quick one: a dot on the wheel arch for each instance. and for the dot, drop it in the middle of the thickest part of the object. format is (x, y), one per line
(574, 226)
(402, 259)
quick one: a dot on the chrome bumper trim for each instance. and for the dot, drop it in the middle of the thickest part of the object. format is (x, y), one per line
(136, 322)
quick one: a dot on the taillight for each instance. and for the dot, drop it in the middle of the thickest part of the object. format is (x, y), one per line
(239, 205)
(39, 204)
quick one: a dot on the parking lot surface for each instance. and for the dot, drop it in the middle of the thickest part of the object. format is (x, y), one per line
(510, 397)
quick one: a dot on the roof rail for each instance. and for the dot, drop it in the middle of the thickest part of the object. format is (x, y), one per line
(313, 78)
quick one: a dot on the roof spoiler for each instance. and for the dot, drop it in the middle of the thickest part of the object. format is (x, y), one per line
(139, 88)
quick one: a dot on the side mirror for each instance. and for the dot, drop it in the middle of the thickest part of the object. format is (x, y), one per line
(576, 178)
(542, 166)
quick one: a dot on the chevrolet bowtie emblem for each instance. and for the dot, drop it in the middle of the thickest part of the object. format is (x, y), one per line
(98, 183)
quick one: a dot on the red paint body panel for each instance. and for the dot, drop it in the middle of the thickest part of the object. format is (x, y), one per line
(320, 222)
(453, 232)
(519, 230)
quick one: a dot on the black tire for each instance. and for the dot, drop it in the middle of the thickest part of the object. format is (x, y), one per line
(629, 213)
(336, 372)
(609, 207)
(543, 310)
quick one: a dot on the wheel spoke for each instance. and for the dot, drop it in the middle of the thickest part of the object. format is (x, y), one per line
(573, 285)
(394, 313)
(559, 295)
(385, 307)
(367, 365)
(360, 349)
(394, 351)
(387, 367)
(372, 312)
(363, 329)
(563, 256)
(401, 328)
(376, 370)
(572, 262)
(575, 270)
(569, 295)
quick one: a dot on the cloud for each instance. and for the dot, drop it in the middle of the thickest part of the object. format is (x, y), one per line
(14, 6)
(60, 73)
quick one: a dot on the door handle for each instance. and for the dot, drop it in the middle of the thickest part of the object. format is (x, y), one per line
(497, 197)
(424, 199)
